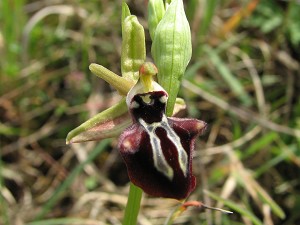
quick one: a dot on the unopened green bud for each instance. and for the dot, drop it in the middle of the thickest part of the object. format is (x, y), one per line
(172, 50)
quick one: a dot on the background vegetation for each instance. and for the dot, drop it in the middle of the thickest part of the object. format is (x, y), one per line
(243, 80)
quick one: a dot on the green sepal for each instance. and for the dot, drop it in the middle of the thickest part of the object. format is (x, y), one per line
(133, 48)
(156, 11)
(172, 50)
(107, 124)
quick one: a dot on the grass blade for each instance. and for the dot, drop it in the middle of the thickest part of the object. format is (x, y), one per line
(67, 182)
(60, 221)
(234, 206)
(229, 78)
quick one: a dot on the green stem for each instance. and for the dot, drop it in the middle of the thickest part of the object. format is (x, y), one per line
(133, 205)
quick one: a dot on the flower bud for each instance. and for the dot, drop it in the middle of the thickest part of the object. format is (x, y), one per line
(172, 50)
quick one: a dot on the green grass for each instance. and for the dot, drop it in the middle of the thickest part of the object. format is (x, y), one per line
(12, 19)
(70, 179)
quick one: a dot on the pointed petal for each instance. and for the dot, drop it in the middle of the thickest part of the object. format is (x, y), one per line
(121, 84)
(107, 124)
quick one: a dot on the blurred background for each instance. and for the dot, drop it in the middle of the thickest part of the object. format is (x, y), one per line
(243, 80)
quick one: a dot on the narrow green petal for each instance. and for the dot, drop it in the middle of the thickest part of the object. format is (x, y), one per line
(119, 83)
(107, 124)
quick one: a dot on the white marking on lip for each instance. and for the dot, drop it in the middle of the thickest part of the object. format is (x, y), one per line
(159, 159)
(182, 155)
(160, 162)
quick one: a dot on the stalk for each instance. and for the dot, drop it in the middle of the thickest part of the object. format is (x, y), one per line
(133, 205)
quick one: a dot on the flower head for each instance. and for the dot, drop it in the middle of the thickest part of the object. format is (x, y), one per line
(157, 149)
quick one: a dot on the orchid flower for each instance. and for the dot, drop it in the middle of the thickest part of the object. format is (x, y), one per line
(157, 149)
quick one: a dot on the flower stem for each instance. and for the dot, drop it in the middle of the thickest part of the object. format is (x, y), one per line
(133, 205)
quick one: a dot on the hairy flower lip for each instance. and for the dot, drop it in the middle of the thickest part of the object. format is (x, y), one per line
(157, 149)
(139, 161)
